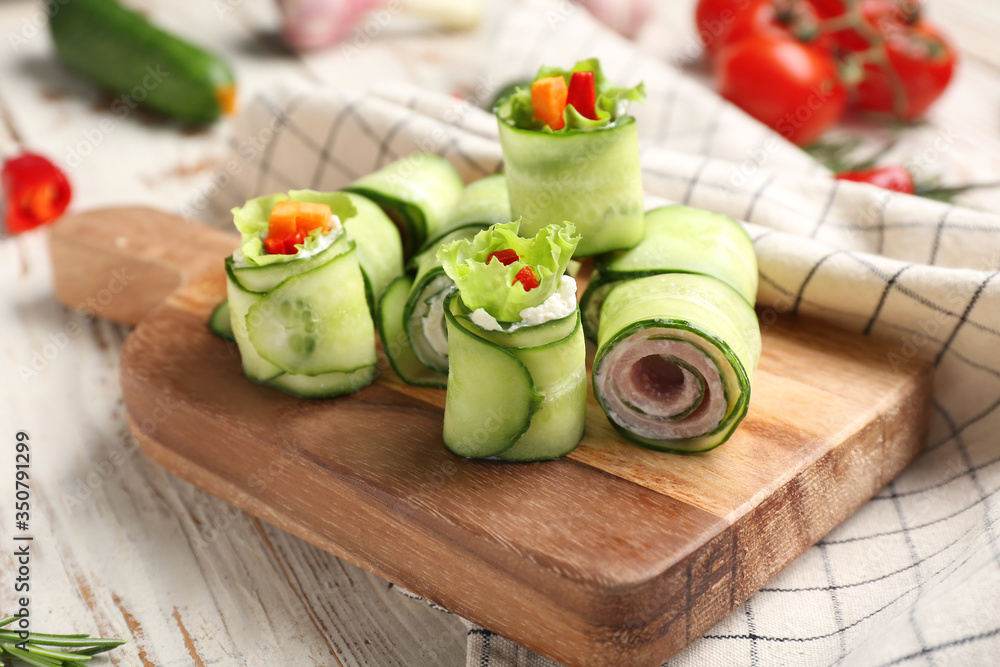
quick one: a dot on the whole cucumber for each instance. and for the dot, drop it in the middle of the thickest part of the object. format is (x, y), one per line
(123, 52)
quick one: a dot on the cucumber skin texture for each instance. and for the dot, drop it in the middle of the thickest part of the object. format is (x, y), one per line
(220, 323)
(395, 341)
(417, 191)
(119, 49)
(678, 239)
(697, 307)
(342, 343)
(510, 408)
(590, 178)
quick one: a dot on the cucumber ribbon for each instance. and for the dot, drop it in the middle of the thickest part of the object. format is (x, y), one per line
(418, 192)
(678, 339)
(516, 392)
(303, 321)
(588, 171)
(411, 313)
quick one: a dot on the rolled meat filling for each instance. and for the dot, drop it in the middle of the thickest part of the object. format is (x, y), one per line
(662, 388)
(675, 355)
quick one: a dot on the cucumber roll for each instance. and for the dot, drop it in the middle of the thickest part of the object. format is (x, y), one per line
(298, 299)
(411, 318)
(676, 352)
(571, 153)
(677, 239)
(417, 192)
(517, 387)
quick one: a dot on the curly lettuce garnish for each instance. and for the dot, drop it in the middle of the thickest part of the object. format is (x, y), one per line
(493, 286)
(611, 103)
(251, 220)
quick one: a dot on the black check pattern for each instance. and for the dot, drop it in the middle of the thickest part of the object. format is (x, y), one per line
(913, 578)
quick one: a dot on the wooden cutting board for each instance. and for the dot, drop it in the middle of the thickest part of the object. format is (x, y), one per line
(613, 555)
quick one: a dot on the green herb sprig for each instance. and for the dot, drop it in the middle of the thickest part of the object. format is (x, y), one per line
(40, 652)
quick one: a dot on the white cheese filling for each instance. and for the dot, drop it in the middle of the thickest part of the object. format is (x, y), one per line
(433, 324)
(560, 303)
(325, 241)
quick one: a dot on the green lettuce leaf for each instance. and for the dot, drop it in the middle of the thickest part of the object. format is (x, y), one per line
(251, 219)
(612, 102)
(491, 286)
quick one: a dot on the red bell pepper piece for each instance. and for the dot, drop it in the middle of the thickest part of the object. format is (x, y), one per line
(583, 94)
(274, 246)
(36, 192)
(527, 279)
(505, 257)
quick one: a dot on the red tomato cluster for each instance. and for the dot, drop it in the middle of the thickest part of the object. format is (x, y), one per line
(797, 65)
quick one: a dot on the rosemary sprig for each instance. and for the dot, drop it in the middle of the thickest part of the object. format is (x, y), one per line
(37, 655)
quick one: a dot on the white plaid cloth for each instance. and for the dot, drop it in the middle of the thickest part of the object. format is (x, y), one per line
(913, 577)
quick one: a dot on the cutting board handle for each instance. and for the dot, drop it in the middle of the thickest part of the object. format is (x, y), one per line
(121, 263)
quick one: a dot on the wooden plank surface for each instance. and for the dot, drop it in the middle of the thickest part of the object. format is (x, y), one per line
(614, 553)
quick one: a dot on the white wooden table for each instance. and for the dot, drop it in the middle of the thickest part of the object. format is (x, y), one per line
(124, 549)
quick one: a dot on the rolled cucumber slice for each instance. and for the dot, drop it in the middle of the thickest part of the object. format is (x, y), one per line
(591, 178)
(326, 385)
(220, 323)
(491, 397)
(263, 279)
(380, 250)
(483, 203)
(395, 341)
(417, 192)
(239, 301)
(650, 324)
(559, 375)
(678, 239)
(316, 322)
(518, 403)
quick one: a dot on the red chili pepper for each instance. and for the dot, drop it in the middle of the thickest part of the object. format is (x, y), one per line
(527, 279)
(36, 192)
(505, 257)
(891, 177)
(583, 94)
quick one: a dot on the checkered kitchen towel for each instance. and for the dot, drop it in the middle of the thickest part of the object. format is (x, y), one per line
(914, 576)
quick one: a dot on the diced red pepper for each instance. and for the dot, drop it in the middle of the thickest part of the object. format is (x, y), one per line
(548, 99)
(290, 222)
(583, 94)
(527, 279)
(274, 246)
(36, 192)
(506, 257)
(298, 237)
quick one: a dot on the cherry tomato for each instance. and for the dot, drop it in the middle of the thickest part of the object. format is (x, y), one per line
(790, 86)
(920, 64)
(724, 22)
(891, 177)
(36, 192)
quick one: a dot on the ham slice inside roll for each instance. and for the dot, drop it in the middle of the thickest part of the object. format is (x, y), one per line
(661, 387)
